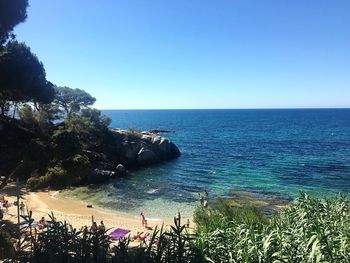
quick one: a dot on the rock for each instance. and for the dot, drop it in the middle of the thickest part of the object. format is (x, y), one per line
(120, 169)
(146, 156)
(143, 148)
(160, 131)
(156, 139)
(100, 176)
(267, 204)
(147, 137)
(130, 151)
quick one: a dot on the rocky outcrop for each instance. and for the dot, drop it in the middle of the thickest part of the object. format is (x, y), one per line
(160, 131)
(103, 168)
(137, 148)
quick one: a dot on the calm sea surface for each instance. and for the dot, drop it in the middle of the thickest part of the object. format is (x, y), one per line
(265, 152)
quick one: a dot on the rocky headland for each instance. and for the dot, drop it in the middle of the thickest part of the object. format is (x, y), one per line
(132, 149)
(68, 158)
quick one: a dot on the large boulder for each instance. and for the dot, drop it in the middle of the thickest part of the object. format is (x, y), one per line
(143, 148)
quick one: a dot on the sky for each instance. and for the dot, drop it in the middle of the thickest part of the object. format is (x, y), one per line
(185, 54)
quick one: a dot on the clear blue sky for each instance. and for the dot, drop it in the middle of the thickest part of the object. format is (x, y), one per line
(163, 54)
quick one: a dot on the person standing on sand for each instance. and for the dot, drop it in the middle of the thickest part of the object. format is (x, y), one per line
(101, 227)
(205, 204)
(6, 205)
(143, 220)
(178, 217)
(93, 228)
(201, 199)
(21, 207)
(85, 230)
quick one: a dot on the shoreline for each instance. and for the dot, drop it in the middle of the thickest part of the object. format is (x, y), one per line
(76, 212)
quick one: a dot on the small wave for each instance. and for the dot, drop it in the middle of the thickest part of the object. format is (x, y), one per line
(212, 172)
(152, 191)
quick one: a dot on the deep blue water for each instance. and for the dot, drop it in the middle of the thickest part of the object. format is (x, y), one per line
(272, 152)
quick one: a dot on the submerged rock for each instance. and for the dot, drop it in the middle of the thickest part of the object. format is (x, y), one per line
(267, 203)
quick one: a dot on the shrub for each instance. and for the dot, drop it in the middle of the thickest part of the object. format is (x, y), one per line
(37, 156)
(33, 183)
(66, 144)
(308, 230)
(6, 244)
(133, 134)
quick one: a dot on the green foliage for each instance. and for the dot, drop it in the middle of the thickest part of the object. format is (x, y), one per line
(23, 76)
(37, 156)
(47, 113)
(27, 116)
(66, 144)
(33, 182)
(91, 129)
(57, 165)
(94, 115)
(40, 120)
(11, 13)
(60, 242)
(71, 171)
(309, 230)
(222, 215)
(6, 244)
(78, 168)
(72, 100)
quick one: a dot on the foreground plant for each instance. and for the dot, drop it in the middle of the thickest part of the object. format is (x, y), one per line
(308, 230)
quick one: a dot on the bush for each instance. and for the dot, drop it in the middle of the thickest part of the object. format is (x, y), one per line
(6, 244)
(33, 183)
(27, 116)
(60, 242)
(37, 156)
(308, 230)
(66, 145)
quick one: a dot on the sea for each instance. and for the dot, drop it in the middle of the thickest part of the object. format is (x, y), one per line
(267, 152)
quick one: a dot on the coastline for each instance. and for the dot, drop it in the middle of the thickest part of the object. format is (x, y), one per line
(76, 212)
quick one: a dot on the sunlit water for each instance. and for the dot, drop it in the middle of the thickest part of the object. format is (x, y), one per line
(265, 152)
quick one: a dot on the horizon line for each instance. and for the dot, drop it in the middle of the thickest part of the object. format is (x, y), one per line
(296, 108)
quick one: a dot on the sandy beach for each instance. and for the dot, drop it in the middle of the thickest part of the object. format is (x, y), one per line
(75, 212)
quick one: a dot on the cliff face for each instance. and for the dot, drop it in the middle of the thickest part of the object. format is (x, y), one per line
(143, 148)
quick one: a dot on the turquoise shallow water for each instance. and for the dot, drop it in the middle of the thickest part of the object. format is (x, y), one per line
(270, 153)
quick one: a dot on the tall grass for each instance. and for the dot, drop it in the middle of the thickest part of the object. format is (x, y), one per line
(308, 230)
